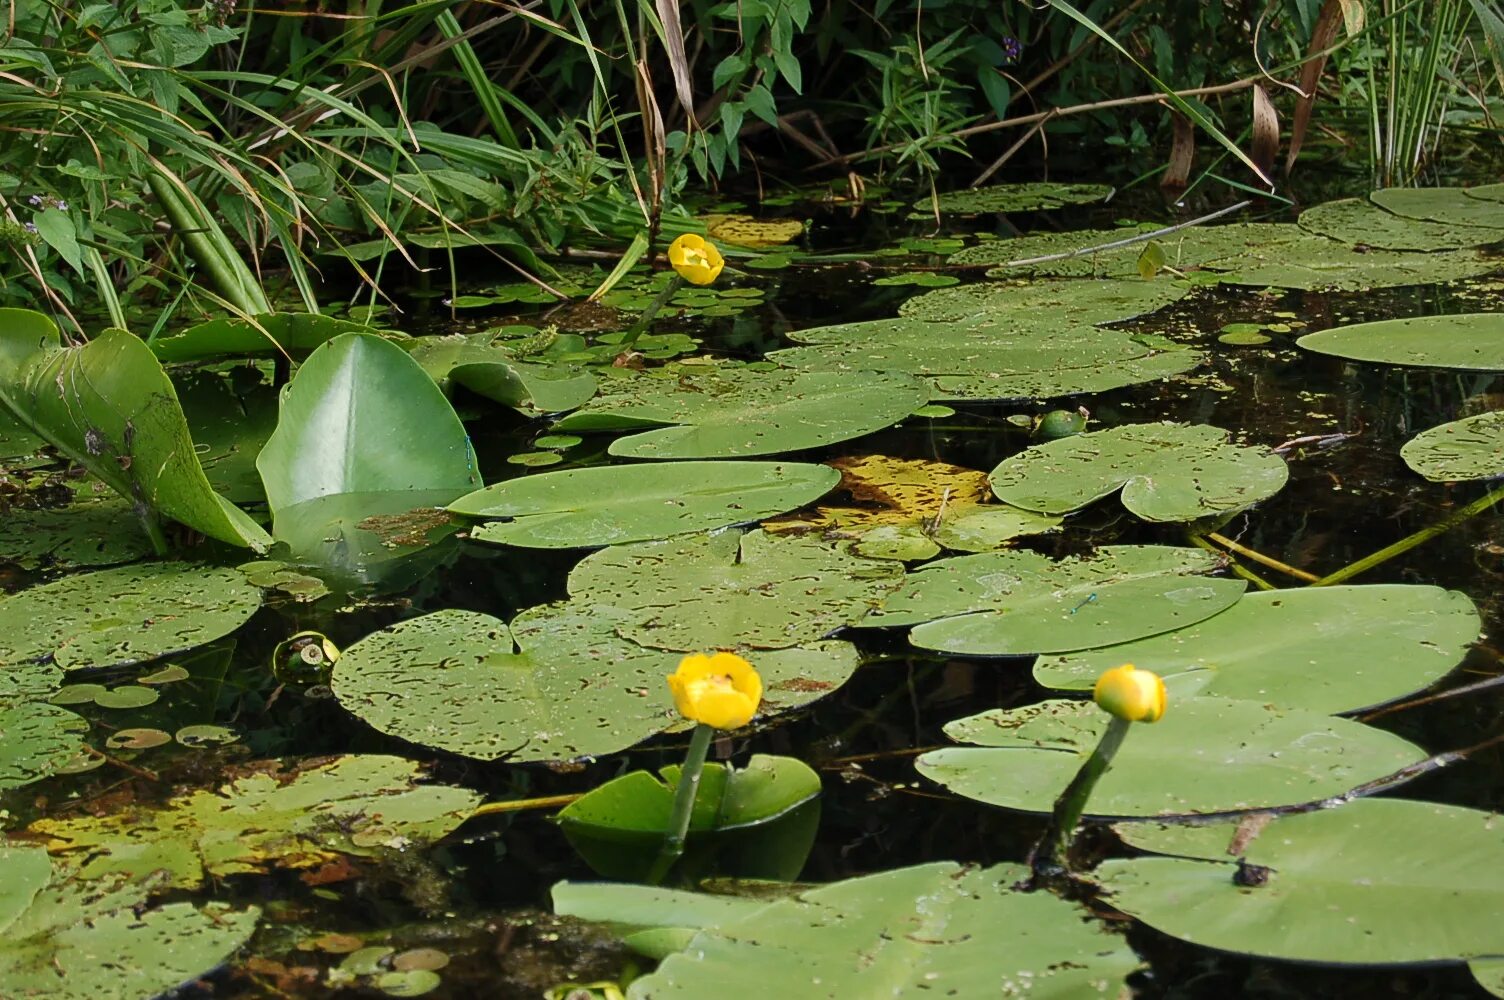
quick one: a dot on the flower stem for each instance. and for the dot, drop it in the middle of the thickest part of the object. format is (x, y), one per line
(1055, 845)
(640, 327)
(684, 803)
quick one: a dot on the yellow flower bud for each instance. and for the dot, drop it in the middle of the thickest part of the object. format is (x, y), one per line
(696, 259)
(721, 690)
(1131, 694)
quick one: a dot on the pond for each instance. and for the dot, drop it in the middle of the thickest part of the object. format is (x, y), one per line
(928, 492)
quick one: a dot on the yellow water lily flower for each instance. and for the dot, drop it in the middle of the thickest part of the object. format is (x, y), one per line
(696, 259)
(1131, 694)
(721, 690)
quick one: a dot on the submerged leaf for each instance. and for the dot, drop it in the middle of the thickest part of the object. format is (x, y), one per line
(1470, 448)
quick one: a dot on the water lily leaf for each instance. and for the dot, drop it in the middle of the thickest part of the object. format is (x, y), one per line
(1026, 197)
(735, 413)
(1470, 448)
(494, 372)
(93, 532)
(560, 685)
(1324, 649)
(1206, 755)
(1377, 881)
(356, 804)
(18, 446)
(1015, 602)
(1360, 222)
(361, 416)
(745, 231)
(728, 591)
(979, 363)
(68, 940)
(36, 739)
(917, 497)
(1314, 262)
(900, 933)
(109, 406)
(127, 615)
(650, 914)
(758, 821)
(629, 503)
(1470, 341)
(368, 538)
(231, 423)
(1167, 472)
(266, 334)
(1450, 205)
(1489, 972)
(1184, 250)
(1041, 307)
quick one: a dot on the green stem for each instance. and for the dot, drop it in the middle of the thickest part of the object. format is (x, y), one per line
(1425, 534)
(153, 529)
(640, 327)
(684, 803)
(1056, 843)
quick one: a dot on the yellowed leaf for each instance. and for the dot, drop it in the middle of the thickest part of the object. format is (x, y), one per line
(891, 491)
(745, 231)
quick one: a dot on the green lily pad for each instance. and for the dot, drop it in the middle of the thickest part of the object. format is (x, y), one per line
(734, 413)
(935, 928)
(1470, 448)
(109, 406)
(67, 940)
(1167, 472)
(615, 504)
(1377, 881)
(1450, 205)
(128, 696)
(231, 424)
(559, 685)
(1184, 250)
(1025, 197)
(1489, 972)
(728, 591)
(1311, 263)
(1470, 341)
(268, 334)
(356, 804)
(1041, 306)
(494, 372)
(36, 739)
(1360, 222)
(757, 821)
(95, 532)
(1016, 602)
(126, 615)
(1207, 755)
(1324, 649)
(918, 279)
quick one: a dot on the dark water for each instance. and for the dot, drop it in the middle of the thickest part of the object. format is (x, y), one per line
(483, 896)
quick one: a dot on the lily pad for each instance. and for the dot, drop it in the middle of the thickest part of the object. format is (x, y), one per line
(267, 334)
(1324, 649)
(930, 928)
(231, 422)
(126, 615)
(1167, 472)
(1470, 448)
(1489, 972)
(1470, 341)
(95, 532)
(559, 685)
(1311, 263)
(1015, 602)
(735, 413)
(1207, 755)
(67, 940)
(109, 406)
(1040, 306)
(1184, 250)
(1026, 197)
(1450, 205)
(757, 821)
(1358, 221)
(729, 591)
(616, 504)
(746, 231)
(357, 804)
(494, 372)
(36, 739)
(1377, 881)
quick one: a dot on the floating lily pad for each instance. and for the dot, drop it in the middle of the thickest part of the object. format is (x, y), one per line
(1311, 263)
(1206, 755)
(231, 423)
(96, 532)
(137, 739)
(1470, 448)
(1489, 972)
(1377, 881)
(757, 821)
(1167, 472)
(746, 231)
(728, 591)
(936, 928)
(1324, 649)
(1040, 307)
(127, 696)
(126, 615)
(560, 685)
(1092, 252)
(1015, 602)
(918, 279)
(36, 740)
(356, 804)
(268, 334)
(1470, 341)
(735, 413)
(1025, 197)
(1358, 221)
(67, 940)
(615, 504)
(1450, 205)
(496, 373)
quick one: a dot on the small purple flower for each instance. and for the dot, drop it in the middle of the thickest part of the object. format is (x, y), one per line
(60, 204)
(35, 201)
(1012, 48)
(31, 227)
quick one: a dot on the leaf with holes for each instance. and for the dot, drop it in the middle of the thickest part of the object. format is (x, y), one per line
(1470, 448)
